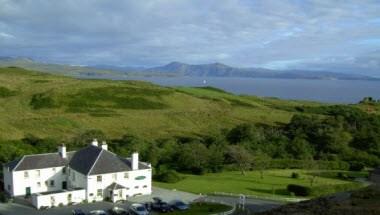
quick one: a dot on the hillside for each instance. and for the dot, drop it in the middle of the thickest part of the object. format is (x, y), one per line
(56, 106)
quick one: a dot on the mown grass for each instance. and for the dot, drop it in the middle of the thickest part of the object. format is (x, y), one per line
(274, 183)
(124, 107)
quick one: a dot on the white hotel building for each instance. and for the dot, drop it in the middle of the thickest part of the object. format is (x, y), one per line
(90, 174)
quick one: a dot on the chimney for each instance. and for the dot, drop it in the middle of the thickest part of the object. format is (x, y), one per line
(104, 145)
(94, 142)
(62, 151)
(135, 161)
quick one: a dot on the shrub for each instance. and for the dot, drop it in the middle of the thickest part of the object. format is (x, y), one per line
(295, 175)
(5, 92)
(342, 175)
(41, 100)
(356, 166)
(3, 197)
(299, 190)
(60, 205)
(168, 176)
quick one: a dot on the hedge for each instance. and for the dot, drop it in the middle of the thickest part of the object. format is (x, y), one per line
(299, 190)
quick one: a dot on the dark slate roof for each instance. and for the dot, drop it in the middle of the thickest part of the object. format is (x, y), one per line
(84, 159)
(39, 161)
(108, 162)
(115, 186)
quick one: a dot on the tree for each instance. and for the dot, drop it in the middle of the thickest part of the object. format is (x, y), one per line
(261, 162)
(193, 157)
(240, 156)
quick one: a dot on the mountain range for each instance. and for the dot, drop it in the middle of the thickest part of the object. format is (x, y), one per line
(177, 69)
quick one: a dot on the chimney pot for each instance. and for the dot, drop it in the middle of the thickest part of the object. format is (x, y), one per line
(104, 145)
(94, 142)
(135, 161)
(62, 151)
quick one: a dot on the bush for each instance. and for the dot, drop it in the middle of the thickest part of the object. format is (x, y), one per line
(299, 190)
(356, 166)
(3, 197)
(5, 92)
(342, 175)
(295, 175)
(168, 176)
(41, 100)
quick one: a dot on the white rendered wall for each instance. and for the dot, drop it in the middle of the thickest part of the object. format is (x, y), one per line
(77, 196)
(133, 186)
(20, 183)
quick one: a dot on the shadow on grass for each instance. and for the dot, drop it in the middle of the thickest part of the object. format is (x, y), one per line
(280, 191)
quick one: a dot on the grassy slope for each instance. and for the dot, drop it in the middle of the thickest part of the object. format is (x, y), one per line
(125, 107)
(251, 184)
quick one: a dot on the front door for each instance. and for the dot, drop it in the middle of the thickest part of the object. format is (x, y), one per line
(27, 191)
(64, 185)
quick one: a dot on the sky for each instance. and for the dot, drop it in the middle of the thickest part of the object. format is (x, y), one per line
(333, 35)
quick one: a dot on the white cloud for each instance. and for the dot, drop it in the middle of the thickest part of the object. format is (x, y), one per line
(153, 32)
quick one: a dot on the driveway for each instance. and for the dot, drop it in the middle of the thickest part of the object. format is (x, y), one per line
(167, 195)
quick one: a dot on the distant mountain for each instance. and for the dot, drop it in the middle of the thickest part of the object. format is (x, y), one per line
(175, 69)
(222, 70)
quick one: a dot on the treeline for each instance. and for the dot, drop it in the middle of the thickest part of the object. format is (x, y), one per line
(330, 137)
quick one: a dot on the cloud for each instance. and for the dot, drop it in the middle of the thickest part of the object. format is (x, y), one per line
(153, 32)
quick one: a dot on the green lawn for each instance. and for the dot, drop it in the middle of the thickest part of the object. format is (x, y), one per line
(203, 209)
(273, 183)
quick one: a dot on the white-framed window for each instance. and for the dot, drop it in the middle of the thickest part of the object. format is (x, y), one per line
(38, 173)
(126, 175)
(136, 187)
(99, 192)
(114, 176)
(26, 174)
(52, 183)
(38, 184)
(99, 178)
(145, 186)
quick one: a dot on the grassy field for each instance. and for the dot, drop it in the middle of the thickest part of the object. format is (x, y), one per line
(274, 182)
(56, 106)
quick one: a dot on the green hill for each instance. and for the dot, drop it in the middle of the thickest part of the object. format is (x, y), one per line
(48, 105)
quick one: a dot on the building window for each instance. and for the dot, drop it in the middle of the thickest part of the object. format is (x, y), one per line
(38, 184)
(126, 175)
(99, 192)
(114, 176)
(64, 170)
(26, 174)
(38, 173)
(145, 186)
(91, 194)
(51, 183)
(46, 183)
(136, 187)
(99, 178)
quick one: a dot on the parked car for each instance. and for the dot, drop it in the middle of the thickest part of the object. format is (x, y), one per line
(138, 209)
(160, 205)
(98, 212)
(118, 211)
(179, 205)
(78, 212)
